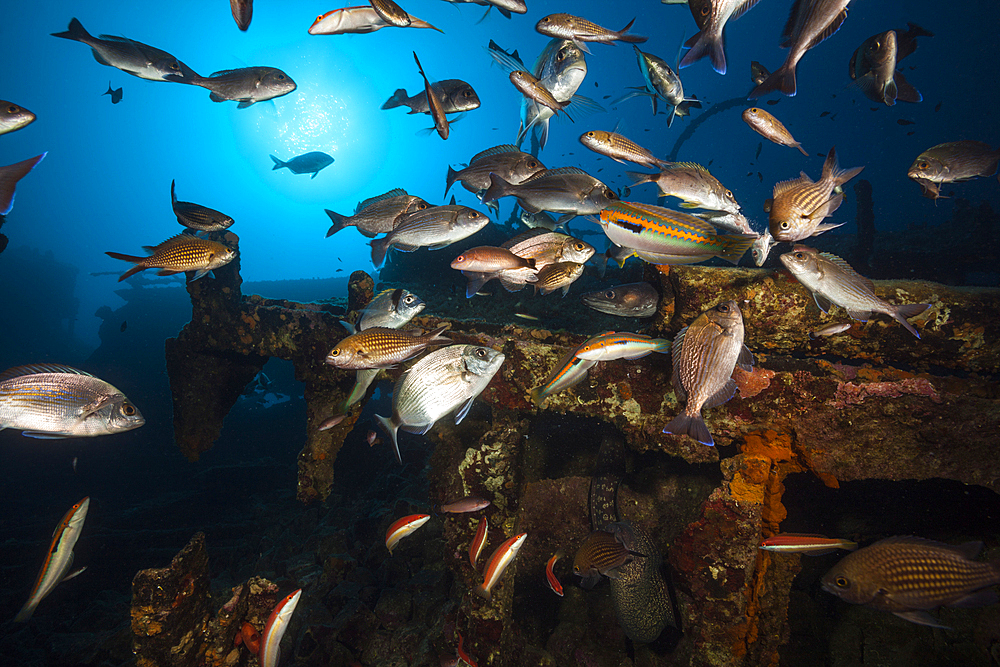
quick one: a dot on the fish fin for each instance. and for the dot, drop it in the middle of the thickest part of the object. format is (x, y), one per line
(799, 146)
(94, 406)
(702, 44)
(909, 310)
(215, 97)
(390, 429)
(34, 369)
(727, 391)
(435, 338)
(825, 227)
(476, 282)
(42, 435)
(679, 390)
(695, 427)
(565, 291)
(612, 573)
(589, 581)
(745, 360)
(200, 273)
(450, 179)
(362, 380)
(351, 329)
(920, 618)
(829, 31)
(74, 573)
(278, 164)
(498, 188)
(244, 104)
(509, 62)
(822, 302)
(538, 396)
(9, 177)
(398, 99)
(544, 133)
(584, 106)
(783, 186)
(639, 177)
(735, 246)
(980, 598)
(29, 608)
(781, 79)
(905, 92)
(379, 248)
(75, 31)
(861, 315)
(463, 411)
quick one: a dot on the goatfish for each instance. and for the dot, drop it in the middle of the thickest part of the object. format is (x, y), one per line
(377, 215)
(602, 553)
(832, 281)
(531, 88)
(9, 177)
(455, 95)
(358, 21)
(671, 236)
(435, 227)
(242, 11)
(705, 353)
(908, 576)
(550, 576)
(624, 345)
(556, 276)
(579, 30)
(620, 148)
(51, 401)
(246, 85)
(771, 128)
(566, 190)
(443, 381)
(380, 347)
(179, 254)
(59, 559)
(402, 528)
(629, 300)
(391, 13)
(434, 104)
(568, 371)
(468, 504)
(196, 216)
(801, 543)
(955, 161)
(132, 57)
(692, 183)
(14, 117)
(498, 563)
(711, 17)
(478, 542)
(663, 83)
(800, 205)
(505, 160)
(277, 624)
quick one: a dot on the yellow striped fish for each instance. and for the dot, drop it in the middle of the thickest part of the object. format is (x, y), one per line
(603, 552)
(184, 252)
(558, 275)
(620, 148)
(380, 347)
(799, 205)
(670, 236)
(568, 372)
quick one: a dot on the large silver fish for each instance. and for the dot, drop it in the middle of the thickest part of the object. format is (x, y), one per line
(378, 215)
(693, 183)
(51, 401)
(505, 160)
(455, 95)
(435, 227)
(705, 353)
(246, 85)
(711, 17)
(832, 281)
(445, 380)
(130, 56)
(629, 300)
(566, 190)
(663, 83)
(14, 117)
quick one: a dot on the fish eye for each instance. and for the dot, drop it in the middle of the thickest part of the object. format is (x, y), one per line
(281, 77)
(841, 582)
(481, 353)
(408, 300)
(610, 195)
(922, 165)
(800, 255)
(473, 214)
(610, 294)
(532, 164)
(174, 65)
(723, 308)
(754, 110)
(13, 108)
(560, 56)
(460, 258)
(878, 45)
(320, 17)
(128, 409)
(729, 194)
(578, 245)
(334, 353)
(785, 224)
(590, 134)
(705, 9)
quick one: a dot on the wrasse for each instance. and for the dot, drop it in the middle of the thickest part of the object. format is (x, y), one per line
(277, 624)
(550, 575)
(59, 559)
(468, 504)
(814, 545)
(569, 371)
(501, 558)
(402, 528)
(462, 654)
(479, 541)
(614, 345)
(669, 236)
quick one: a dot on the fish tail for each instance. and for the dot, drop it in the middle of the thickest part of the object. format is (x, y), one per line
(173, 193)
(9, 178)
(398, 99)
(76, 32)
(640, 177)
(390, 430)
(339, 221)
(702, 45)
(832, 173)
(623, 35)
(27, 610)
(538, 396)
(278, 164)
(379, 248)
(435, 337)
(916, 31)
(904, 311)
(801, 150)
(734, 247)
(782, 79)
(498, 188)
(482, 591)
(694, 426)
(128, 258)
(450, 178)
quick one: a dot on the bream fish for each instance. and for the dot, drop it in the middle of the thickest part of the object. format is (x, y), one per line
(307, 163)
(132, 57)
(800, 205)
(378, 215)
(832, 281)
(955, 161)
(711, 17)
(434, 227)
(566, 190)
(620, 148)
(443, 381)
(505, 160)
(873, 68)
(380, 347)
(771, 128)
(908, 576)
(196, 216)
(546, 247)
(692, 183)
(621, 345)
(705, 353)
(357, 20)
(14, 117)
(242, 13)
(59, 559)
(570, 370)
(809, 23)
(9, 177)
(663, 83)
(392, 308)
(246, 85)
(556, 276)
(579, 30)
(179, 254)
(629, 300)
(455, 95)
(51, 401)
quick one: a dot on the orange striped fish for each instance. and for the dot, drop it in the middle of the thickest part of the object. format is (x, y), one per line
(550, 575)
(799, 205)
(478, 542)
(621, 345)
(501, 558)
(277, 624)
(403, 527)
(669, 236)
(59, 559)
(569, 371)
(184, 252)
(814, 545)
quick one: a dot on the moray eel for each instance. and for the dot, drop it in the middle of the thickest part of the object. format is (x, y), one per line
(642, 601)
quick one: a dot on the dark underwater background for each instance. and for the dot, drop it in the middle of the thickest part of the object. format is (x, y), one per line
(104, 185)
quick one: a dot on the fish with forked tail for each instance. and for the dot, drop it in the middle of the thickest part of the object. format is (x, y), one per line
(455, 95)
(873, 68)
(196, 216)
(179, 254)
(10, 175)
(246, 85)
(579, 30)
(378, 215)
(115, 93)
(800, 205)
(307, 163)
(711, 17)
(357, 20)
(436, 227)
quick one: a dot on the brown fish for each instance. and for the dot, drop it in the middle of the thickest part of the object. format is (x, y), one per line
(873, 68)
(179, 254)
(603, 552)
(771, 128)
(242, 12)
(380, 347)
(620, 148)
(196, 216)
(955, 161)
(758, 73)
(704, 355)
(391, 13)
(506, 160)
(800, 205)
(532, 89)
(378, 215)
(435, 104)
(579, 30)
(489, 259)
(546, 247)
(910, 575)
(559, 275)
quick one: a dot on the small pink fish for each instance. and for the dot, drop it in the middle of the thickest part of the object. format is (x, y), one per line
(402, 528)
(550, 575)
(331, 422)
(478, 542)
(814, 545)
(468, 504)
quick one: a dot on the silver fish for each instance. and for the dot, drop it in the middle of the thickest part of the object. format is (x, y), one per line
(505, 160)
(130, 56)
(196, 216)
(693, 183)
(14, 117)
(246, 85)
(629, 300)
(711, 17)
(663, 83)
(51, 401)
(705, 353)
(731, 221)
(547, 247)
(10, 175)
(391, 308)
(455, 95)
(832, 281)
(435, 227)
(307, 163)
(538, 220)
(357, 20)
(761, 248)
(955, 161)
(567, 190)
(445, 380)
(378, 215)
(831, 329)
